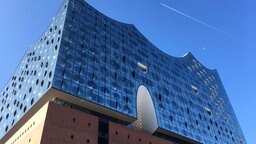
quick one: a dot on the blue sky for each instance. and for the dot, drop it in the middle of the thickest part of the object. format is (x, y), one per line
(231, 50)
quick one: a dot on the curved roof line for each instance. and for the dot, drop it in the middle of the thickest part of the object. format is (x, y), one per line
(189, 54)
(132, 25)
(186, 55)
(124, 23)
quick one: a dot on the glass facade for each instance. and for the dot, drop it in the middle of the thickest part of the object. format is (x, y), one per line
(33, 76)
(91, 56)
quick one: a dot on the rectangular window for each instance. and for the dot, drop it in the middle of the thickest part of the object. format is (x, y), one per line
(194, 89)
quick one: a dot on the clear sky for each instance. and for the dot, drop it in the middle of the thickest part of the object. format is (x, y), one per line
(220, 34)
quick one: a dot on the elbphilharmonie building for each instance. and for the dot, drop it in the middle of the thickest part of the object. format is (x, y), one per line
(92, 79)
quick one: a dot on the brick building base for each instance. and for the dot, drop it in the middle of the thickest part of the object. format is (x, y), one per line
(57, 124)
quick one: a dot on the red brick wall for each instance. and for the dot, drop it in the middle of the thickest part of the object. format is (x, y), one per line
(119, 134)
(68, 126)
